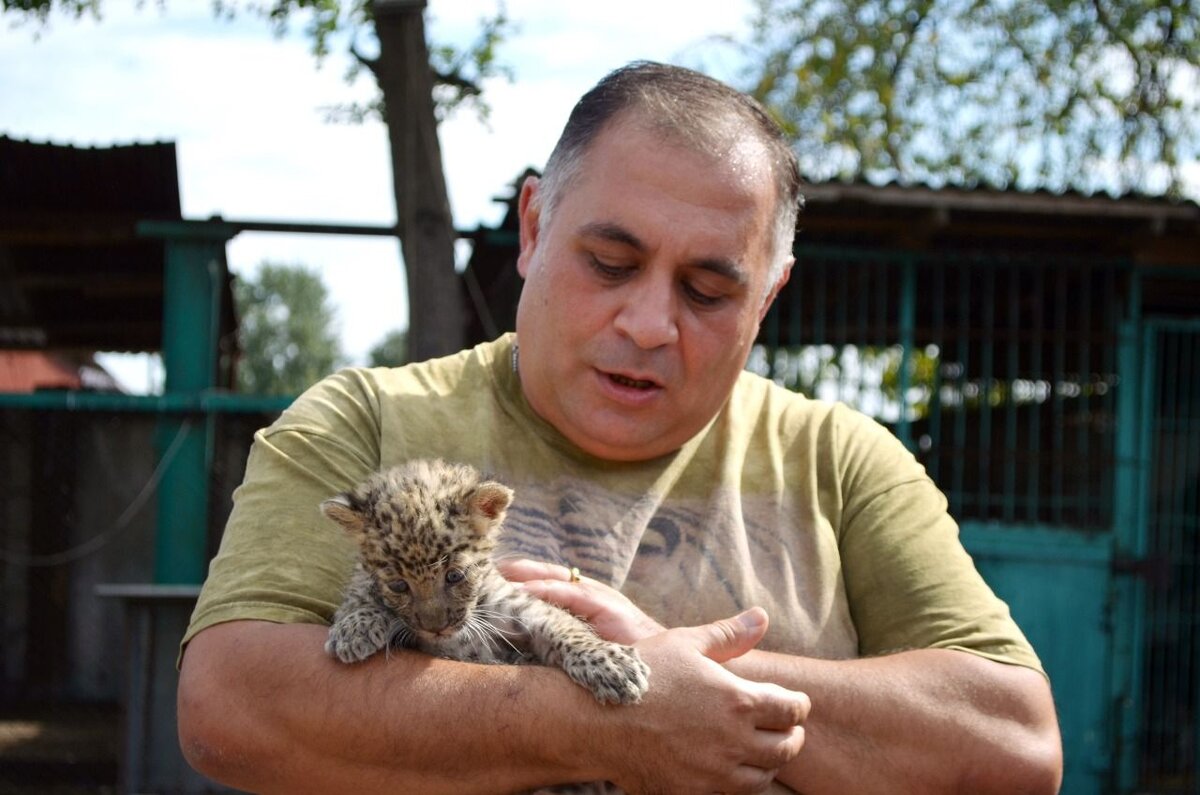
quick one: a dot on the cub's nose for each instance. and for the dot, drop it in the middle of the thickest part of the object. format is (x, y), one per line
(434, 620)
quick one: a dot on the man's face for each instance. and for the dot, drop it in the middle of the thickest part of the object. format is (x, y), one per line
(644, 291)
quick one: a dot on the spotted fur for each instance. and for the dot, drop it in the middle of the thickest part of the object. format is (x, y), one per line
(425, 579)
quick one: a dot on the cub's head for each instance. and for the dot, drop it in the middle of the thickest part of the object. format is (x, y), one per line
(425, 532)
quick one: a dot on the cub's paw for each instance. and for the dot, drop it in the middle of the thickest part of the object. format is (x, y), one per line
(353, 640)
(614, 674)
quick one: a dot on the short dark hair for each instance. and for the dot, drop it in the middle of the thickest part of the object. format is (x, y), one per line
(685, 107)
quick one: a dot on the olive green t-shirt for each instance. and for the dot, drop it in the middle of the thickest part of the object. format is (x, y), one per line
(808, 509)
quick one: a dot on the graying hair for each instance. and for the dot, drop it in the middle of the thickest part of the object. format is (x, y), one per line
(686, 108)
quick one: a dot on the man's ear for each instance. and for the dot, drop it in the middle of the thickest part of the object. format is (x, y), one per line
(529, 211)
(779, 283)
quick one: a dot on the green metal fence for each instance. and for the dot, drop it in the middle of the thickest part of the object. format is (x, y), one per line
(90, 677)
(1000, 373)
(1171, 662)
(1064, 428)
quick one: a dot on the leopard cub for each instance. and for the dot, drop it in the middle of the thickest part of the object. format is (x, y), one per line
(425, 579)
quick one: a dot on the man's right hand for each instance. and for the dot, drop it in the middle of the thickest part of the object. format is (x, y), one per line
(700, 728)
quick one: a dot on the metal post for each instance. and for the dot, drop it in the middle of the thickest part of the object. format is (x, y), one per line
(908, 320)
(1129, 540)
(191, 311)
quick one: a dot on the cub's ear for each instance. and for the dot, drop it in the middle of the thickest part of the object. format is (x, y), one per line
(488, 505)
(340, 510)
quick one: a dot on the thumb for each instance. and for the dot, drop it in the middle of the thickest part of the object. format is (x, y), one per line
(728, 638)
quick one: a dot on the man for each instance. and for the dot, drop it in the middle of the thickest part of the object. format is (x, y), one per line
(687, 490)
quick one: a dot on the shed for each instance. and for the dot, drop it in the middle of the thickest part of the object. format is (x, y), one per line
(88, 263)
(75, 273)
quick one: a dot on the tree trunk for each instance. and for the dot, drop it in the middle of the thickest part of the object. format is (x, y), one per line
(426, 228)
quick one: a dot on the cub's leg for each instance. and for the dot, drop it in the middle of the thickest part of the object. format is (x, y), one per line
(614, 674)
(361, 626)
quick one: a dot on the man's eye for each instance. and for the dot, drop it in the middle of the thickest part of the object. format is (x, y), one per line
(454, 576)
(699, 297)
(398, 586)
(607, 271)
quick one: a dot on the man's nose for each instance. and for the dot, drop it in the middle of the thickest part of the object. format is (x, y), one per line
(648, 316)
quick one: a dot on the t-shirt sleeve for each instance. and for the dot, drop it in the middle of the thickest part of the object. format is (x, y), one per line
(909, 581)
(280, 559)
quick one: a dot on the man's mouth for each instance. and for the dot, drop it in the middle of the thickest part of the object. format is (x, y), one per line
(634, 383)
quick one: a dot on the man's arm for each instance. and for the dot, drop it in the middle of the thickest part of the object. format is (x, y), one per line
(924, 721)
(262, 708)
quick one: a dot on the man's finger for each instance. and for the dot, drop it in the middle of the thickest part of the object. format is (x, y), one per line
(778, 748)
(780, 709)
(523, 570)
(567, 595)
(728, 638)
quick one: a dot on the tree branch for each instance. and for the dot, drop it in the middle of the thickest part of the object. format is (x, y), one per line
(372, 64)
(455, 79)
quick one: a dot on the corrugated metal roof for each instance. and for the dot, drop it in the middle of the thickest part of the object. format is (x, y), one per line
(920, 217)
(998, 199)
(73, 271)
(134, 179)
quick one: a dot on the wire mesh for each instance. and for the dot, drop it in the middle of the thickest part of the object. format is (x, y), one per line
(77, 510)
(1000, 373)
(1171, 693)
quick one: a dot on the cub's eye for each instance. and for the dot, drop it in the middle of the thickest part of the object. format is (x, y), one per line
(398, 586)
(454, 576)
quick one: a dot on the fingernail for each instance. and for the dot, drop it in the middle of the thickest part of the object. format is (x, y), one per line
(751, 619)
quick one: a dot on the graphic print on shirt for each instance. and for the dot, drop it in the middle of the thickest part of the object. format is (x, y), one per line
(692, 561)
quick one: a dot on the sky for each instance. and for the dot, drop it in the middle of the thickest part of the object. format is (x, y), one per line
(243, 107)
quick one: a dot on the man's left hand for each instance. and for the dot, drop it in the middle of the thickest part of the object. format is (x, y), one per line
(611, 613)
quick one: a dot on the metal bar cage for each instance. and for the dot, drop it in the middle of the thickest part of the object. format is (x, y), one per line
(999, 373)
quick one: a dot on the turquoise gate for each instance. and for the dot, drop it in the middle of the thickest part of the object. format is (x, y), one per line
(1168, 686)
(1025, 385)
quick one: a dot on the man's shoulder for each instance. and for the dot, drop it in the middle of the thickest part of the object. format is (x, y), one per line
(762, 397)
(362, 392)
(444, 374)
(468, 370)
(788, 412)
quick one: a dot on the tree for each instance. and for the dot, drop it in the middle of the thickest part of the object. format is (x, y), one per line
(392, 350)
(1082, 94)
(407, 85)
(416, 84)
(286, 332)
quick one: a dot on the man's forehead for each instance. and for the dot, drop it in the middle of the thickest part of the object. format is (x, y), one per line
(741, 169)
(728, 144)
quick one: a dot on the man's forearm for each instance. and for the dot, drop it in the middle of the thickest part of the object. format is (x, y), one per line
(262, 708)
(924, 721)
